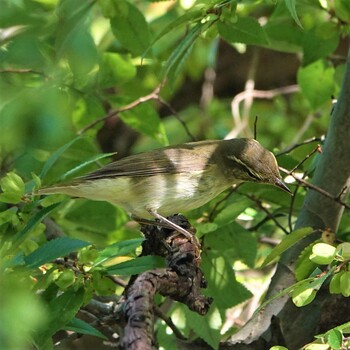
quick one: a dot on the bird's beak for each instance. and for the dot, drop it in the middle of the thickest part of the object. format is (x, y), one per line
(279, 183)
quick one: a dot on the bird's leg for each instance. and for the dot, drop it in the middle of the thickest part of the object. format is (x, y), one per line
(149, 222)
(170, 224)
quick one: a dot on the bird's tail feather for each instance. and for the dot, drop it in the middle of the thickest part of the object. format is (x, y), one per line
(65, 189)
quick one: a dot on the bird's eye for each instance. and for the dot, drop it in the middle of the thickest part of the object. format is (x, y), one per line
(251, 174)
(245, 168)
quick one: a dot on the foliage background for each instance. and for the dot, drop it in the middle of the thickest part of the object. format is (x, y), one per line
(65, 64)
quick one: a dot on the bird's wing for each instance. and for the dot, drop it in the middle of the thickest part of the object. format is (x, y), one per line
(162, 161)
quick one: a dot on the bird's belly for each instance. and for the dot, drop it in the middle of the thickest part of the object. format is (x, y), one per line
(172, 194)
(165, 194)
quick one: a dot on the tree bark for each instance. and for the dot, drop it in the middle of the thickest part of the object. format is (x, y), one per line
(299, 325)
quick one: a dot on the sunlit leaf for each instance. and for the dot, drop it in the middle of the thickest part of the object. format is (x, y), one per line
(286, 243)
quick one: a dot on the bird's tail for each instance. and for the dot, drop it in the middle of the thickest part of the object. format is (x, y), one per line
(69, 190)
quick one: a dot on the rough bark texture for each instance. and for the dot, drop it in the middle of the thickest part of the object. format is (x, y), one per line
(332, 174)
(182, 281)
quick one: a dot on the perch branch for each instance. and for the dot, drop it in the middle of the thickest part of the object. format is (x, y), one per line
(181, 280)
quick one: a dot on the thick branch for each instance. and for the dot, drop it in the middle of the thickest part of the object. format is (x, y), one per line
(182, 280)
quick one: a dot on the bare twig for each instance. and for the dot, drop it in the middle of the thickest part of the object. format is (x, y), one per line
(230, 192)
(317, 149)
(207, 87)
(264, 94)
(177, 116)
(262, 222)
(270, 216)
(152, 96)
(316, 188)
(291, 207)
(158, 312)
(296, 145)
(117, 280)
(255, 126)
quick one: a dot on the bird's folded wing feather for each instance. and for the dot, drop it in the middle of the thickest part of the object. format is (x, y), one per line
(165, 161)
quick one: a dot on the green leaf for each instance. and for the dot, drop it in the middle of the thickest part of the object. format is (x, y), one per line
(136, 266)
(317, 83)
(230, 213)
(342, 10)
(334, 285)
(182, 50)
(55, 156)
(33, 221)
(335, 339)
(286, 243)
(144, 118)
(79, 326)
(303, 295)
(345, 327)
(207, 327)
(323, 253)
(51, 250)
(94, 216)
(12, 198)
(9, 215)
(235, 242)
(345, 283)
(81, 166)
(291, 8)
(188, 17)
(283, 34)
(82, 55)
(118, 249)
(283, 292)
(131, 29)
(278, 347)
(316, 346)
(222, 284)
(304, 265)
(61, 310)
(12, 183)
(116, 69)
(320, 42)
(246, 30)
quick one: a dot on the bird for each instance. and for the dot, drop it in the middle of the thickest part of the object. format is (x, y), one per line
(175, 179)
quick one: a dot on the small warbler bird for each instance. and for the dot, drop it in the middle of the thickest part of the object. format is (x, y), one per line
(176, 179)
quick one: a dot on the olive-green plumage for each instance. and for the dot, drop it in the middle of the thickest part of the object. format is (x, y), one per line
(176, 179)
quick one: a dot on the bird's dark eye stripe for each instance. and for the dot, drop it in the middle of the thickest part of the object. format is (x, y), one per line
(245, 167)
(251, 174)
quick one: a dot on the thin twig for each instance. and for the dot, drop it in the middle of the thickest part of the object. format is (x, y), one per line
(230, 192)
(291, 207)
(263, 94)
(177, 116)
(317, 149)
(269, 240)
(262, 222)
(316, 188)
(120, 282)
(158, 312)
(289, 149)
(271, 216)
(296, 145)
(152, 96)
(255, 126)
